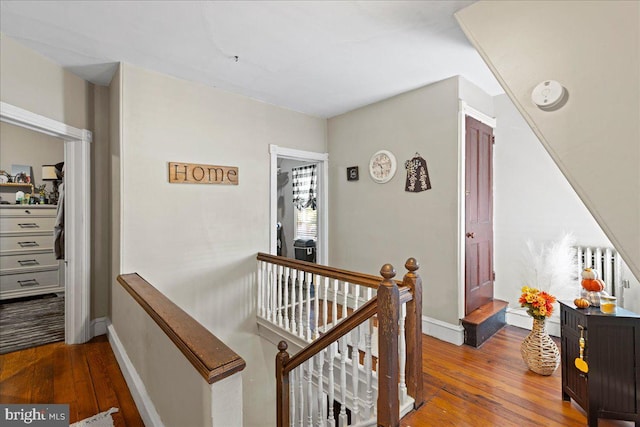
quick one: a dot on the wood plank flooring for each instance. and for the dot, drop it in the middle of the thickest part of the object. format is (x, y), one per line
(464, 386)
(491, 386)
(85, 376)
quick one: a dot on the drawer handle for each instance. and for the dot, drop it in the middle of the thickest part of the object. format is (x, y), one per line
(30, 282)
(24, 262)
(29, 225)
(28, 244)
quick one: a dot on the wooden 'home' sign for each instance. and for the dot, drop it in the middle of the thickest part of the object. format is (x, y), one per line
(191, 173)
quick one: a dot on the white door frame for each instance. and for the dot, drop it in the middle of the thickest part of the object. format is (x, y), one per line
(323, 196)
(465, 110)
(77, 183)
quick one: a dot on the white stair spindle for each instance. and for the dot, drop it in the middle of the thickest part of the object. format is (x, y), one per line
(334, 314)
(309, 280)
(316, 305)
(356, 296)
(355, 371)
(402, 355)
(300, 402)
(325, 305)
(342, 418)
(269, 290)
(310, 399)
(345, 301)
(330, 419)
(292, 397)
(286, 279)
(294, 286)
(279, 295)
(259, 302)
(320, 416)
(301, 327)
(368, 370)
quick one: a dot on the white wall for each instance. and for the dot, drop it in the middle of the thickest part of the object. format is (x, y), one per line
(532, 200)
(31, 81)
(593, 49)
(101, 202)
(161, 366)
(372, 224)
(197, 243)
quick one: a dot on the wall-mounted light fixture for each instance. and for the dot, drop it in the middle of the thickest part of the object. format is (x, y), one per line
(549, 95)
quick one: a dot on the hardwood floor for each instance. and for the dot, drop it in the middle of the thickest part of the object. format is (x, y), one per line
(464, 386)
(86, 376)
(491, 386)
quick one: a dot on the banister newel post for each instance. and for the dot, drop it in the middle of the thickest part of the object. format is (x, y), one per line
(388, 315)
(282, 386)
(413, 333)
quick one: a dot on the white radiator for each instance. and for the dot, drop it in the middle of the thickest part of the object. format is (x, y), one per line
(606, 261)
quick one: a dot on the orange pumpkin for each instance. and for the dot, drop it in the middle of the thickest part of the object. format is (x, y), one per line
(593, 285)
(581, 303)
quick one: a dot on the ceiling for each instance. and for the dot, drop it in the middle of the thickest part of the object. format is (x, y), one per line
(322, 58)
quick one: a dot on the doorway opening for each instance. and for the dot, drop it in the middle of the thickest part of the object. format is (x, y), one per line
(299, 204)
(77, 221)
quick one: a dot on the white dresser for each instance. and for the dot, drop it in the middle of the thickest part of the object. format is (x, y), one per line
(28, 265)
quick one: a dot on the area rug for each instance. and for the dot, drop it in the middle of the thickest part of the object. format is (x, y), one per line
(103, 419)
(30, 322)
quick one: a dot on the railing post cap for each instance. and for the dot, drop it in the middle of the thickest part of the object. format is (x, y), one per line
(283, 346)
(411, 265)
(387, 271)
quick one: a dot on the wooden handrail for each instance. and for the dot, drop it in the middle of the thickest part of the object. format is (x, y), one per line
(210, 356)
(353, 277)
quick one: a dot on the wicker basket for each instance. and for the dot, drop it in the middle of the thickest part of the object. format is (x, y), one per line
(539, 351)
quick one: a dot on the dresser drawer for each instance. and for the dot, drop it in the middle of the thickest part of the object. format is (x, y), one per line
(26, 224)
(37, 261)
(22, 244)
(28, 211)
(29, 281)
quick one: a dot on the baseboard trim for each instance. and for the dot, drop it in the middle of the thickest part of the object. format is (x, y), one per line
(145, 406)
(99, 326)
(444, 331)
(519, 317)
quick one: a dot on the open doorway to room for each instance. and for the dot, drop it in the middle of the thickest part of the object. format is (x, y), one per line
(297, 212)
(298, 201)
(69, 272)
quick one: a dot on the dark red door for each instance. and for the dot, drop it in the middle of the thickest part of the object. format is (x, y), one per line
(479, 215)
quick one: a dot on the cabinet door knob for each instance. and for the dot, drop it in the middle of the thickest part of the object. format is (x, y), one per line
(471, 235)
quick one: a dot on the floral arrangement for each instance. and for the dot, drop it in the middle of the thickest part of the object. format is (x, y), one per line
(539, 303)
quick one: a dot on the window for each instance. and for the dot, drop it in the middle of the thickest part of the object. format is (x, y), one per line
(306, 224)
(304, 180)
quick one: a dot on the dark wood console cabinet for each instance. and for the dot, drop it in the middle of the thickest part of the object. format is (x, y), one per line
(612, 351)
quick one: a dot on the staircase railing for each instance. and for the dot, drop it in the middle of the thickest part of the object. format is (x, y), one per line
(338, 378)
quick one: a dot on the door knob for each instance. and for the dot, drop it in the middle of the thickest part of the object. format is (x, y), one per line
(471, 235)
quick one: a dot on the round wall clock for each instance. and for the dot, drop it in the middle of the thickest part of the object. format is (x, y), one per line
(382, 166)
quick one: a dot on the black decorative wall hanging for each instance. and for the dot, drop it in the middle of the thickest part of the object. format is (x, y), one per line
(417, 175)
